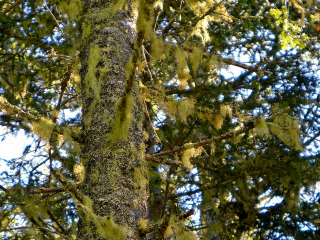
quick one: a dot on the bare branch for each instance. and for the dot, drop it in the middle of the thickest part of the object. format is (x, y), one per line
(54, 18)
(163, 161)
(46, 190)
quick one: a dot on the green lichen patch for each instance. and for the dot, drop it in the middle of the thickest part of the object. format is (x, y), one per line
(105, 226)
(123, 118)
(92, 83)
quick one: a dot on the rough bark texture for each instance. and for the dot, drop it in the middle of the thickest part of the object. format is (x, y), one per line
(114, 177)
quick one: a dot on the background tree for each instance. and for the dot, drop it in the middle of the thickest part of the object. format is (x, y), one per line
(162, 133)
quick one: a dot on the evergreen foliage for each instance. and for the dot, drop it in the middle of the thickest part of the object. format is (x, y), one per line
(225, 156)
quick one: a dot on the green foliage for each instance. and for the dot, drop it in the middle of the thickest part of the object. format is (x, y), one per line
(291, 34)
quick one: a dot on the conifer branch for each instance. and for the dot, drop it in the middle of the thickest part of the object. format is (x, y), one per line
(40, 228)
(162, 226)
(54, 18)
(163, 161)
(14, 110)
(11, 109)
(57, 222)
(68, 186)
(64, 85)
(230, 61)
(3, 188)
(195, 22)
(228, 135)
(173, 196)
(28, 40)
(46, 196)
(14, 5)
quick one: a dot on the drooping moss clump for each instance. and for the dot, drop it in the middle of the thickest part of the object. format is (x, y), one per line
(105, 226)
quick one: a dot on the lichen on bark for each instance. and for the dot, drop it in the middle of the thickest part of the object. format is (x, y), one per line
(113, 164)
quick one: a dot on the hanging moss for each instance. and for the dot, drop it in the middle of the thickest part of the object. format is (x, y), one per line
(73, 8)
(92, 83)
(218, 121)
(43, 128)
(182, 58)
(188, 154)
(143, 224)
(140, 176)
(79, 171)
(187, 235)
(157, 48)
(226, 111)
(169, 232)
(106, 227)
(287, 130)
(123, 119)
(185, 108)
(261, 127)
(86, 30)
(181, 233)
(195, 59)
(215, 228)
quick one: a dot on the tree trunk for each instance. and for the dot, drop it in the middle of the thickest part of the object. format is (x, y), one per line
(113, 150)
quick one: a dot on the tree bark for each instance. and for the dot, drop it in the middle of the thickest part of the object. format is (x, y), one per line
(114, 162)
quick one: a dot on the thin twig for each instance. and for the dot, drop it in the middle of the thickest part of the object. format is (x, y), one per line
(46, 190)
(46, 196)
(54, 18)
(154, 131)
(166, 192)
(163, 161)
(64, 85)
(147, 63)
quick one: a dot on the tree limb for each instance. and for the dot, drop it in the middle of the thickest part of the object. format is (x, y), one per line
(228, 135)
(12, 110)
(68, 186)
